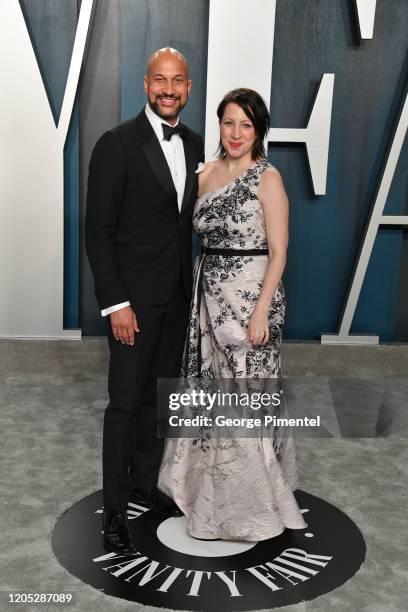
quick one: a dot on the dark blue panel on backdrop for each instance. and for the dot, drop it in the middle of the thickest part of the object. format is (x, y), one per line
(312, 38)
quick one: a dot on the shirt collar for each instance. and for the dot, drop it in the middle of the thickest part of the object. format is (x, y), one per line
(156, 122)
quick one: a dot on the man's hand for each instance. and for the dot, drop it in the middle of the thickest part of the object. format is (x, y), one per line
(124, 325)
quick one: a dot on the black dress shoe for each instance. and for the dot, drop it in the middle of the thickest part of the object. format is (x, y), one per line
(116, 534)
(154, 499)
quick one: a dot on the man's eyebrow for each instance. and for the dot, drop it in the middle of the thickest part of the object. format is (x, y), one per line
(176, 76)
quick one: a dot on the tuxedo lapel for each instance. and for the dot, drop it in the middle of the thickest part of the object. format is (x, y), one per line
(155, 157)
(190, 171)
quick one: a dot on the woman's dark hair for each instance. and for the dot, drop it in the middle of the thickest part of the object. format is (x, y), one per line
(255, 109)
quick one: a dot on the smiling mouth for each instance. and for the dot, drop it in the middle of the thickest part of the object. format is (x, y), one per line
(168, 101)
(235, 145)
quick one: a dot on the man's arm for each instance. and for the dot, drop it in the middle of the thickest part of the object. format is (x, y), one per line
(106, 180)
(105, 188)
(202, 152)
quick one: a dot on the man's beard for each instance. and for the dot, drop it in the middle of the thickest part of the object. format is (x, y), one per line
(155, 108)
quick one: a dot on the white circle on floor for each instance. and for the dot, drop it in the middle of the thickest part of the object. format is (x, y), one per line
(173, 533)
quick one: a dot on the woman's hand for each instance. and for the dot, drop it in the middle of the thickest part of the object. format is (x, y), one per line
(258, 327)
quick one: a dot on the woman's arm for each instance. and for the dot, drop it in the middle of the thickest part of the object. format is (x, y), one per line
(275, 205)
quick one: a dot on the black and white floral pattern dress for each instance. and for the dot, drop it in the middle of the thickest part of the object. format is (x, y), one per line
(230, 487)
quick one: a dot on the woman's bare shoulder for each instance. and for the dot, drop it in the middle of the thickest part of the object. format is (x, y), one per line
(271, 173)
(271, 186)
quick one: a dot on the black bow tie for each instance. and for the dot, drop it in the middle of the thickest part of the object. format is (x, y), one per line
(169, 131)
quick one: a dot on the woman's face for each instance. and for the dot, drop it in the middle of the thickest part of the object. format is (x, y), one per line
(237, 131)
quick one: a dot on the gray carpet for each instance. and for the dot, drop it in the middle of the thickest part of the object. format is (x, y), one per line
(52, 400)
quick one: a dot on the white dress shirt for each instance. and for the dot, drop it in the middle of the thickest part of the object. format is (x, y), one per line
(173, 150)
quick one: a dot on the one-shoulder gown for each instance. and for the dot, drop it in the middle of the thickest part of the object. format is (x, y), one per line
(230, 487)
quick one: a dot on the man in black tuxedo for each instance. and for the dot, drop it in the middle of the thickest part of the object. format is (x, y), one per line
(141, 190)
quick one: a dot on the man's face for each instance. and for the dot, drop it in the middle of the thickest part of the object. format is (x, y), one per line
(167, 85)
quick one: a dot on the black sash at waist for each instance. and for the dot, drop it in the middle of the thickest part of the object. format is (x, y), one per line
(233, 252)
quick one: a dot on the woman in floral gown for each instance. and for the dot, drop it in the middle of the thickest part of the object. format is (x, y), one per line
(235, 487)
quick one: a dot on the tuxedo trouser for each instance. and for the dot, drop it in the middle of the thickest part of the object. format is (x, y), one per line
(132, 452)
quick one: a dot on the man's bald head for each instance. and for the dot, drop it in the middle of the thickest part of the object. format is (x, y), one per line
(165, 54)
(166, 83)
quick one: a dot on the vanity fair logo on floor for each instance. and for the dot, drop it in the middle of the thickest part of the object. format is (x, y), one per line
(170, 569)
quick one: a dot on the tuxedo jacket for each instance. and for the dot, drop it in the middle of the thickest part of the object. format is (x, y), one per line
(138, 243)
